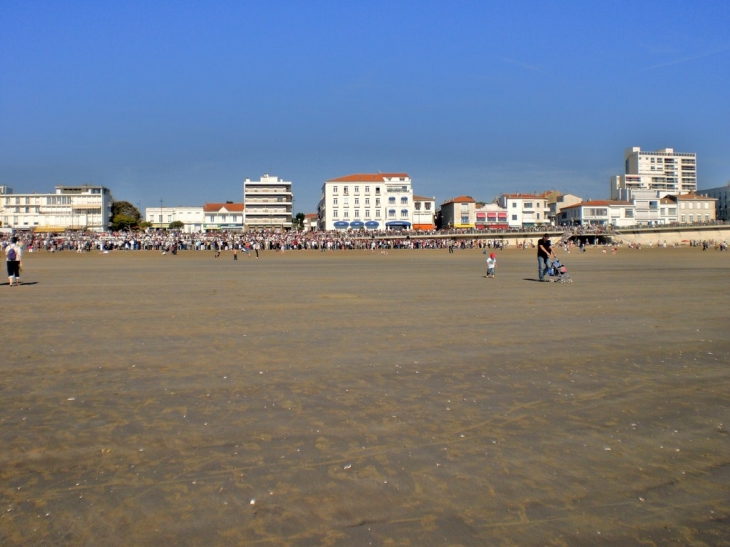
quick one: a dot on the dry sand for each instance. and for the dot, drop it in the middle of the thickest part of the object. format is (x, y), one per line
(351, 398)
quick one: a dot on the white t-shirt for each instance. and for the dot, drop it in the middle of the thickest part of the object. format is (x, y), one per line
(18, 252)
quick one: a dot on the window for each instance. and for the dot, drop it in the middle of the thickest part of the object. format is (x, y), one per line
(347, 214)
(367, 213)
(707, 217)
(334, 213)
(377, 190)
(357, 201)
(211, 218)
(629, 213)
(538, 216)
(527, 205)
(357, 189)
(391, 212)
(465, 219)
(391, 199)
(514, 217)
(428, 206)
(404, 200)
(691, 218)
(334, 201)
(377, 202)
(417, 205)
(683, 219)
(357, 213)
(377, 213)
(367, 201)
(367, 189)
(690, 205)
(404, 213)
(346, 190)
(514, 204)
(334, 189)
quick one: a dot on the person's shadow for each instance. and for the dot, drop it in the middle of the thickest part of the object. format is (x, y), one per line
(24, 284)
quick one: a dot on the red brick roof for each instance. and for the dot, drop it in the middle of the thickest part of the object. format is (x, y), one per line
(370, 177)
(693, 197)
(423, 198)
(522, 196)
(460, 199)
(230, 207)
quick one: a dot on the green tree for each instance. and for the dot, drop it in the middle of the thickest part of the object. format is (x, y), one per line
(125, 216)
(178, 224)
(298, 221)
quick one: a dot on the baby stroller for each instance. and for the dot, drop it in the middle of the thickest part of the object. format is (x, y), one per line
(559, 273)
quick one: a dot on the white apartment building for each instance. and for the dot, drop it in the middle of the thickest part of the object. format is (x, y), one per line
(598, 213)
(722, 195)
(162, 217)
(372, 201)
(664, 171)
(525, 210)
(424, 213)
(85, 207)
(224, 216)
(268, 203)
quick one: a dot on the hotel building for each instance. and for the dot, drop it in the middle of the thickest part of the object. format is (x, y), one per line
(664, 171)
(372, 201)
(268, 203)
(83, 207)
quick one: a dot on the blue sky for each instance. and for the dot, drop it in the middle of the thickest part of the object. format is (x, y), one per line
(181, 101)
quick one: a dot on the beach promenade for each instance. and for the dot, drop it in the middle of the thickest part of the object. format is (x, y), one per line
(355, 398)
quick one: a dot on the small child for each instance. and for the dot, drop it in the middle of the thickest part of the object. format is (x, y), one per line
(491, 265)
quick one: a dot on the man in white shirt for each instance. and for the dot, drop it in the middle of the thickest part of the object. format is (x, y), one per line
(14, 260)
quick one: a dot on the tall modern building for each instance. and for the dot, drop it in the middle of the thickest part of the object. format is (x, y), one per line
(664, 171)
(268, 203)
(83, 207)
(373, 201)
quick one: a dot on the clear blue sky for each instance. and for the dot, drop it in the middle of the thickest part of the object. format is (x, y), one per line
(182, 101)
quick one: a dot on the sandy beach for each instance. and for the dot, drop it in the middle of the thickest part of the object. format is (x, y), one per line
(353, 398)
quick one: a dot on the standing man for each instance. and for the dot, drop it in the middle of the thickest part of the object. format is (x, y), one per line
(544, 252)
(14, 258)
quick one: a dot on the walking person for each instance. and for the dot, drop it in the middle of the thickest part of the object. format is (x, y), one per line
(544, 253)
(491, 265)
(14, 259)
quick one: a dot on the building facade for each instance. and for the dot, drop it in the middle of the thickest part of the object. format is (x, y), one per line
(560, 202)
(424, 213)
(458, 213)
(525, 210)
(598, 213)
(382, 201)
(84, 207)
(721, 194)
(224, 216)
(693, 208)
(491, 217)
(162, 217)
(664, 171)
(268, 203)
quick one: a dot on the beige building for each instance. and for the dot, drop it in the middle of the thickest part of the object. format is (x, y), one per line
(722, 205)
(693, 208)
(83, 207)
(458, 212)
(664, 171)
(561, 202)
(268, 203)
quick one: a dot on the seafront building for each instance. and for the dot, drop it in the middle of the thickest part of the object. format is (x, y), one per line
(526, 210)
(458, 213)
(268, 203)
(721, 194)
(424, 213)
(378, 201)
(85, 207)
(491, 216)
(162, 217)
(598, 213)
(664, 171)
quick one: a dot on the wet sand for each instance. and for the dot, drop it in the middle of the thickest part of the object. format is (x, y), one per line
(351, 398)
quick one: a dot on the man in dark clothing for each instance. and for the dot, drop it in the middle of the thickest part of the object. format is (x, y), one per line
(544, 252)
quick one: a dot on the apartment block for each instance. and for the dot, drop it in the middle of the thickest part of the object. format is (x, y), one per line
(268, 203)
(664, 171)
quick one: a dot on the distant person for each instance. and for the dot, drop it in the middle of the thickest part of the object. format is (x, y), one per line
(544, 253)
(235, 252)
(14, 259)
(491, 265)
